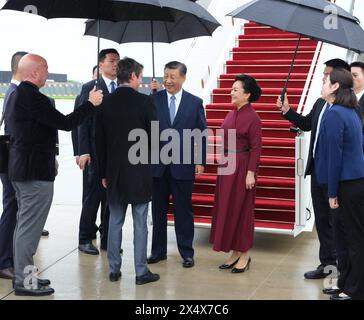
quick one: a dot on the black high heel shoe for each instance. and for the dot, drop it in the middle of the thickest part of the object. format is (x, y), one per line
(228, 266)
(237, 270)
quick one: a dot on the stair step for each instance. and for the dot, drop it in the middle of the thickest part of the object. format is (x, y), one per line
(275, 48)
(247, 67)
(273, 35)
(208, 200)
(261, 182)
(257, 106)
(264, 115)
(286, 143)
(267, 97)
(266, 91)
(273, 41)
(266, 76)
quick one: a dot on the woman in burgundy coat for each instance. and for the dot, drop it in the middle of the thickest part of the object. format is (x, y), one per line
(233, 213)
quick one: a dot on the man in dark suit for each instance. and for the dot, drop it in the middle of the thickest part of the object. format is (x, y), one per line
(357, 70)
(177, 110)
(32, 164)
(329, 252)
(126, 176)
(10, 206)
(74, 133)
(93, 192)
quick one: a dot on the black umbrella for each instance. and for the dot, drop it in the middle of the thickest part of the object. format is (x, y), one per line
(112, 10)
(185, 25)
(318, 19)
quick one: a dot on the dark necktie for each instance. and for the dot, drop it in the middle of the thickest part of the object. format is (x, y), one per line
(112, 86)
(172, 109)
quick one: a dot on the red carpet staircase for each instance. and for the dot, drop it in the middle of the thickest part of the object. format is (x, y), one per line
(264, 53)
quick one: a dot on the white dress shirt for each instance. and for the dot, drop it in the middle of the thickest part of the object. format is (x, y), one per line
(108, 83)
(360, 94)
(318, 127)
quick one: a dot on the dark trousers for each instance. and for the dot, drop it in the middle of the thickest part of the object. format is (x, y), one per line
(324, 222)
(7, 223)
(351, 199)
(181, 191)
(340, 244)
(93, 195)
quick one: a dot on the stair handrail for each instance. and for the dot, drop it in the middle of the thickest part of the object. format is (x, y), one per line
(306, 88)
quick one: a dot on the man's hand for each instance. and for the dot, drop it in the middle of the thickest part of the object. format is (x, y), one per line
(284, 107)
(334, 203)
(95, 97)
(250, 180)
(77, 159)
(104, 183)
(155, 85)
(84, 161)
(199, 169)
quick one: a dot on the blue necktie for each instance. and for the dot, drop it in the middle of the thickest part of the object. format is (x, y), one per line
(172, 109)
(112, 86)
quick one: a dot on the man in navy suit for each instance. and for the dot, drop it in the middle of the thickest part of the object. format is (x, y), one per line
(179, 110)
(357, 71)
(331, 252)
(93, 192)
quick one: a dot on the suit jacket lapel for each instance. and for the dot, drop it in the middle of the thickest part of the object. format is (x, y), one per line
(181, 109)
(103, 86)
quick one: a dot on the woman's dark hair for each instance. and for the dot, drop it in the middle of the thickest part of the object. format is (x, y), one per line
(344, 95)
(250, 85)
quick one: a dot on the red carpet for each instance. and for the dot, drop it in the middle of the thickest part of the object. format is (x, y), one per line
(264, 53)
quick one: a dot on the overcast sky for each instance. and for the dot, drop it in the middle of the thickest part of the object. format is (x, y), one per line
(62, 43)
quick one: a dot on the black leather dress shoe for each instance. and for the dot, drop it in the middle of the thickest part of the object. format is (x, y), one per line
(88, 248)
(188, 263)
(337, 297)
(146, 278)
(40, 291)
(152, 260)
(113, 277)
(45, 233)
(331, 291)
(7, 273)
(228, 266)
(319, 273)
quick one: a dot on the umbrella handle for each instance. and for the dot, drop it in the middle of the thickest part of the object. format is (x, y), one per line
(290, 69)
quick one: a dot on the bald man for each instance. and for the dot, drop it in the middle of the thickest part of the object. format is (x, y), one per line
(34, 124)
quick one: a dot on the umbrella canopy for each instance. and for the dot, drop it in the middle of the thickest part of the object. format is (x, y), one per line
(317, 19)
(186, 25)
(112, 10)
(307, 17)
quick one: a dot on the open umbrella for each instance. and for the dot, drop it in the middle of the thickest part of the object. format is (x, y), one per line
(185, 25)
(112, 10)
(317, 19)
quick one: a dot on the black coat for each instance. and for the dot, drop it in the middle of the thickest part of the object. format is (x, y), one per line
(308, 122)
(86, 131)
(120, 113)
(34, 122)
